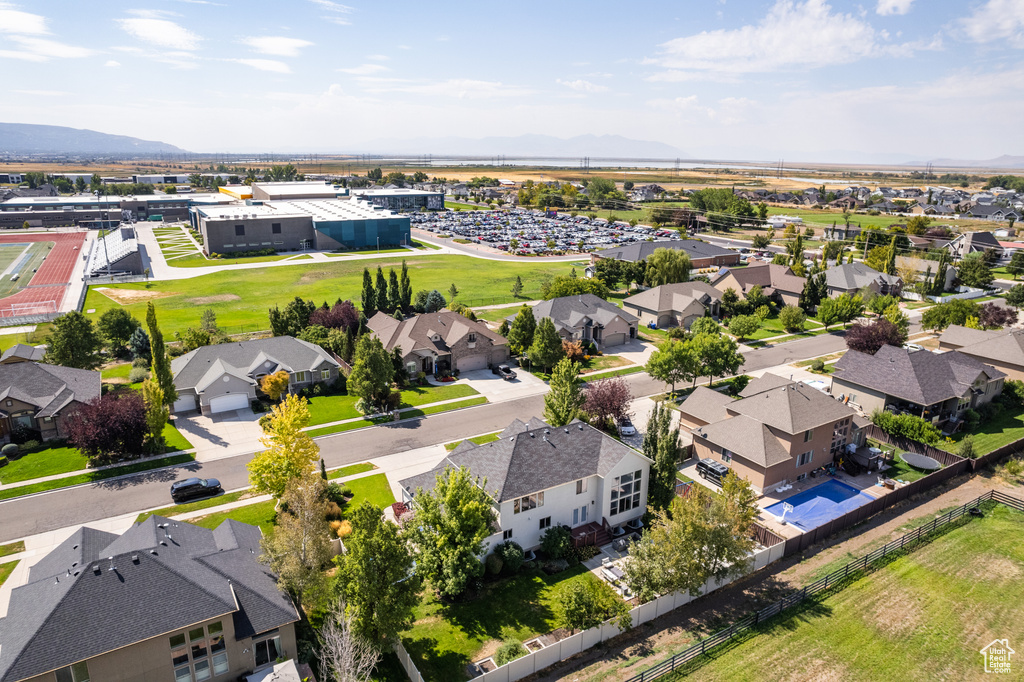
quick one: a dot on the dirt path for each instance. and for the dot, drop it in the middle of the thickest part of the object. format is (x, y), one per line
(645, 645)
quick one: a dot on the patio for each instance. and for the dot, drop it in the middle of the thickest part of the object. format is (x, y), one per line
(608, 564)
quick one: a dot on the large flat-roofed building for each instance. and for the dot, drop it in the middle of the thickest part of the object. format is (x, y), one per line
(400, 199)
(284, 191)
(318, 224)
(105, 211)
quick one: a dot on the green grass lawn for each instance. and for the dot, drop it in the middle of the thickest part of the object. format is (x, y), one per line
(406, 414)
(43, 462)
(200, 261)
(446, 637)
(12, 548)
(495, 314)
(653, 335)
(903, 471)
(374, 489)
(680, 476)
(598, 363)
(479, 440)
(350, 470)
(6, 570)
(421, 395)
(241, 298)
(260, 514)
(995, 433)
(333, 408)
(924, 616)
(95, 476)
(620, 372)
(173, 438)
(118, 371)
(176, 509)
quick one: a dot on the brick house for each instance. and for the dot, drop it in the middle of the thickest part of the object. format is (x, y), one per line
(439, 342)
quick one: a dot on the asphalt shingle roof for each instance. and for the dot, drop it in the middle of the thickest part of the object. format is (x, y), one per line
(242, 358)
(748, 438)
(572, 312)
(856, 276)
(47, 387)
(765, 275)
(675, 297)
(793, 408)
(1005, 346)
(638, 251)
(23, 352)
(706, 404)
(416, 333)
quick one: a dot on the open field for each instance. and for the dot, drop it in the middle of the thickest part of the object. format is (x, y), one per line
(25, 264)
(241, 298)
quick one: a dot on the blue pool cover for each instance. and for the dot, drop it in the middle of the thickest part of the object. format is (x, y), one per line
(818, 505)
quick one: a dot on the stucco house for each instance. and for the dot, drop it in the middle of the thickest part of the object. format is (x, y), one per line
(587, 317)
(541, 476)
(1000, 348)
(701, 253)
(777, 282)
(41, 397)
(440, 342)
(674, 305)
(226, 376)
(165, 601)
(849, 278)
(21, 352)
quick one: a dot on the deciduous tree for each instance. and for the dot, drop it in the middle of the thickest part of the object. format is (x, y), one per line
(372, 372)
(546, 349)
(744, 326)
(793, 318)
(715, 355)
(562, 403)
(110, 428)
(298, 548)
(116, 326)
(673, 363)
(275, 385)
(661, 445)
(345, 655)
(520, 334)
(974, 271)
(868, 338)
(157, 413)
(607, 399)
(667, 266)
(290, 451)
(586, 603)
(73, 342)
(567, 285)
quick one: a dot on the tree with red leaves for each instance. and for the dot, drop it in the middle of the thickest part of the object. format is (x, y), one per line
(342, 315)
(994, 316)
(110, 428)
(606, 399)
(868, 338)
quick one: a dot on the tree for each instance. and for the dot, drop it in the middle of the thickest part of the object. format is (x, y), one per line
(193, 338)
(372, 372)
(394, 292)
(565, 398)
(793, 318)
(434, 302)
(453, 291)
(161, 364)
(293, 319)
(520, 334)
(342, 315)
(405, 287)
(517, 287)
(667, 266)
(814, 292)
(345, 655)
(275, 385)
(877, 258)
(375, 576)
(116, 326)
(661, 445)
(868, 338)
(546, 348)
(715, 356)
(584, 604)
(879, 304)
(974, 271)
(704, 325)
(208, 321)
(369, 300)
(995, 316)
(110, 428)
(73, 342)
(828, 312)
(607, 399)
(954, 312)
(609, 271)
(450, 523)
(898, 318)
(756, 298)
(381, 289)
(699, 537)
(849, 307)
(1015, 296)
(157, 413)
(762, 211)
(890, 258)
(1017, 263)
(761, 241)
(672, 363)
(503, 329)
(138, 344)
(567, 285)
(297, 549)
(918, 225)
(732, 304)
(744, 326)
(290, 451)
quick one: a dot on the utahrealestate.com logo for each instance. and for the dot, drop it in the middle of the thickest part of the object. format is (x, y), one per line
(997, 656)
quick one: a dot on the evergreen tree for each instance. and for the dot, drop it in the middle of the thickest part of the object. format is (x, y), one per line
(546, 348)
(73, 342)
(161, 366)
(520, 334)
(394, 292)
(369, 295)
(405, 287)
(890, 258)
(565, 399)
(381, 287)
(517, 287)
(661, 445)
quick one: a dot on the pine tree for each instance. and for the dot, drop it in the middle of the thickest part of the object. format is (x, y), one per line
(369, 295)
(161, 363)
(517, 287)
(890, 258)
(520, 335)
(546, 348)
(405, 286)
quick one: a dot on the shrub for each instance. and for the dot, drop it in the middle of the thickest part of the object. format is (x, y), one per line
(739, 383)
(344, 529)
(818, 365)
(511, 554)
(556, 542)
(493, 564)
(510, 650)
(334, 494)
(1013, 391)
(972, 418)
(1014, 467)
(258, 407)
(346, 491)
(9, 451)
(792, 318)
(110, 428)
(906, 426)
(3, 461)
(334, 511)
(140, 362)
(138, 375)
(966, 449)
(29, 446)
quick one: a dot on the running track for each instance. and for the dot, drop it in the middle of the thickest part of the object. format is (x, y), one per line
(50, 281)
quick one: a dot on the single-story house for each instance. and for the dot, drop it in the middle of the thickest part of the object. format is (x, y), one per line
(40, 397)
(541, 476)
(934, 386)
(226, 376)
(164, 601)
(702, 254)
(21, 352)
(440, 342)
(586, 317)
(849, 278)
(674, 305)
(1000, 348)
(777, 282)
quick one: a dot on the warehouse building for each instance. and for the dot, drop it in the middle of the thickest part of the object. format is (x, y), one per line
(317, 224)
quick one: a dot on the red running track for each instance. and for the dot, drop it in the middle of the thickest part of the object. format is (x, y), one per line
(47, 287)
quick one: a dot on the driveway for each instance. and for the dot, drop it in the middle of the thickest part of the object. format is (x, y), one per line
(636, 351)
(497, 390)
(221, 435)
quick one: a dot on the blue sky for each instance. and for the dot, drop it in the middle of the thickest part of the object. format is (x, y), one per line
(795, 79)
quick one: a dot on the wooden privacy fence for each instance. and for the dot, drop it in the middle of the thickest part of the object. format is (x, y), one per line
(830, 581)
(943, 457)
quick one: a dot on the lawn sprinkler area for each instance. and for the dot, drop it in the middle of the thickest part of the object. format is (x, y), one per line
(818, 505)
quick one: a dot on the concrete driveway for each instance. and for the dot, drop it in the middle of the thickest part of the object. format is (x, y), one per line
(497, 390)
(636, 351)
(221, 435)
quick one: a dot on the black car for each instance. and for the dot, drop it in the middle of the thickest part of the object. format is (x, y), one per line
(713, 471)
(191, 488)
(505, 372)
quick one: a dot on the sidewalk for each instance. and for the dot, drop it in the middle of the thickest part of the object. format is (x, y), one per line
(106, 467)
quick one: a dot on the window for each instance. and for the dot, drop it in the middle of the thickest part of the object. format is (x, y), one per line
(267, 650)
(625, 493)
(301, 377)
(808, 435)
(79, 672)
(804, 458)
(726, 455)
(199, 654)
(545, 522)
(472, 338)
(275, 228)
(527, 503)
(325, 374)
(581, 486)
(506, 534)
(963, 403)
(239, 230)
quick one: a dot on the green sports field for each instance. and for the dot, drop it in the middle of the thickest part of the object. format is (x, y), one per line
(12, 253)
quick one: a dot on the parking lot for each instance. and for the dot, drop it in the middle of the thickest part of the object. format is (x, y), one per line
(533, 231)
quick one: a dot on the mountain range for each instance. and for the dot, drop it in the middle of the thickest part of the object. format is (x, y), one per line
(594, 146)
(1004, 161)
(28, 138)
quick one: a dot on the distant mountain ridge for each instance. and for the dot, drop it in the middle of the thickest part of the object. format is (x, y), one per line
(29, 138)
(1004, 161)
(599, 146)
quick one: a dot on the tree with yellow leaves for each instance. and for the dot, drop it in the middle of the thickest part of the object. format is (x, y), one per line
(290, 452)
(275, 385)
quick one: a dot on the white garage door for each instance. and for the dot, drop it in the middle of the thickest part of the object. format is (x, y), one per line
(184, 404)
(235, 401)
(472, 362)
(614, 340)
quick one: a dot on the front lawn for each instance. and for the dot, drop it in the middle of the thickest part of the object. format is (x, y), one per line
(95, 476)
(6, 570)
(173, 439)
(422, 395)
(12, 548)
(176, 509)
(43, 461)
(406, 414)
(334, 408)
(479, 440)
(260, 514)
(350, 470)
(598, 363)
(374, 489)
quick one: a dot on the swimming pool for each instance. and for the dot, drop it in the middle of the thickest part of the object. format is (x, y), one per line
(818, 505)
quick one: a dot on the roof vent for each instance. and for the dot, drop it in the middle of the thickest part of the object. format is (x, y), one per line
(135, 558)
(579, 426)
(567, 429)
(153, 552)
(547, 430)
(96, 569)
(532, 435)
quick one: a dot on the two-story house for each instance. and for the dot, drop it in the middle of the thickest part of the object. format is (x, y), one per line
(587, 318)
(39, 398)
(777, 431)
(226, 376)
(539, 476)
(165, 601)
(440, 342)
(777, 282)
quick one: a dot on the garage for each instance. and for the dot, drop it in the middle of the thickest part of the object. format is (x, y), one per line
(225, 403)
(614, 340)
(184, 404)
(473, 362)
(666, 320)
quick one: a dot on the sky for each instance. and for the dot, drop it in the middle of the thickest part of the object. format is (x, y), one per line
(878, 80)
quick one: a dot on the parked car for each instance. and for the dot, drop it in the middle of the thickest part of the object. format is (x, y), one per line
(711, 470)
(626, 427)
(191, 488)
(505, 372)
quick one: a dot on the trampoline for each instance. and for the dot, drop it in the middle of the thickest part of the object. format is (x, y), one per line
(818, 505)
(918, 461)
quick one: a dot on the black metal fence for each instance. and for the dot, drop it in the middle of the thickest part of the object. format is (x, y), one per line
(680, 660)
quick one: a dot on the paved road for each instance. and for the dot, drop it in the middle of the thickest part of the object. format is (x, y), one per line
(59, 509)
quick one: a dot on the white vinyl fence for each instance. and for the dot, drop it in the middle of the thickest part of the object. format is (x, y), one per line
(962, 292)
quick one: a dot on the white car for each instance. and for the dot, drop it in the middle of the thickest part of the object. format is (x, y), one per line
(626, 427)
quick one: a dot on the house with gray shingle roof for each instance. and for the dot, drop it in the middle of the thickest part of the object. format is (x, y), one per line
(226, 376)
(1000, 348)
(849, 278)
(165, 600)
(971, 242)
(440, 342)
(40, 397)
(21, 352)
(701, 253)
(587, 318)
(541, 476)
(777, 282)
(674, 305)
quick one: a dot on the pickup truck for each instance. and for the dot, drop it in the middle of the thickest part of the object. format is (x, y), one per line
(505, 372)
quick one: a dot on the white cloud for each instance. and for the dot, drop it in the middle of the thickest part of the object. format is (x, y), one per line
(378, 57)
(271, 65)
(456, 88)
(405, 47)
(996, 21)
(582, 86)
(340, 21)
(887, 7)
(333, 6)
(280, 46)
(148, 27)
(112, 63)
(792, 35)
(15, 21)
(24, 30)
(365, 69)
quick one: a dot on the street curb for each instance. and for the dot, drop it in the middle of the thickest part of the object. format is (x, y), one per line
(112, 478)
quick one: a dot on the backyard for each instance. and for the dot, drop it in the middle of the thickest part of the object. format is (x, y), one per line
(998, 431)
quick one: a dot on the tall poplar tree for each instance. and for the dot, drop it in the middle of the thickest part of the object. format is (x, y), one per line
(369, 295)
(161, 363)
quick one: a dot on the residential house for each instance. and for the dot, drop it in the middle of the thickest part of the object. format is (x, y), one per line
(226, 376)
(993, 212)
(777, 282)
(971, 242)
(1000, 348)
(440, 342)
(674, 305)
(21, 352)
(849, 278)
(777, 431)
(841, 232)
(539, 476)
(587, 318)
(165, 601)
(934, 386)
(926, 268)
(702, 254)
(40, 398)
